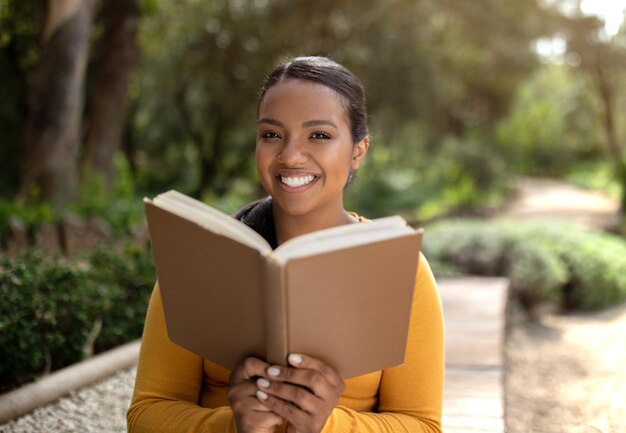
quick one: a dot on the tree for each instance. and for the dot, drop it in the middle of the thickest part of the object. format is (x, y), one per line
(52, 136)
(117, 57)
(604, 62)
(19, 51)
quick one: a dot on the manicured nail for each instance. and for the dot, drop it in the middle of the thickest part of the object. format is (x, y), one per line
(295, 359)
(261, 395)
(263, 383)
(273, 371)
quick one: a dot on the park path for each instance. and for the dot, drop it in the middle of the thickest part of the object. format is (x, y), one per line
(551, 198)
(474, 311)
(477, 370)
(564, 373)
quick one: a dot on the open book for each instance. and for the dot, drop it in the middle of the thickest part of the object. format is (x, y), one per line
(342, 295)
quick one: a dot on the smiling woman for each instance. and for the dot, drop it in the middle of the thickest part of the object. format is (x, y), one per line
(305, 154)
(311, 136)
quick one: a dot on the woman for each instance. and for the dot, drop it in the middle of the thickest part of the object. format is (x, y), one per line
(311, 137)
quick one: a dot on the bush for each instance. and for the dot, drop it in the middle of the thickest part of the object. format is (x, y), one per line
(45, 316)
(51, 309)
(545, 261)
(127, 278)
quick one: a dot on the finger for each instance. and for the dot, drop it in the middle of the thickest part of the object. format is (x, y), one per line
(299, 396)
(242, 398)
(304, 361)
(248, 369)
(284, 409)
(310, 379)
(255, 421)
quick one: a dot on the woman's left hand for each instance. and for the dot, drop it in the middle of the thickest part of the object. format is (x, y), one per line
(304, 395)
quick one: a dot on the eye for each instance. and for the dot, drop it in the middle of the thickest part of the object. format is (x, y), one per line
(320, 135)
(270, 135)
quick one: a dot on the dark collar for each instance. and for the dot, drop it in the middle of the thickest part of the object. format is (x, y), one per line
(258, 216)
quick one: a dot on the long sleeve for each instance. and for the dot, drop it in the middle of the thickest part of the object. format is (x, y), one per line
(168, 385)
(410, 395)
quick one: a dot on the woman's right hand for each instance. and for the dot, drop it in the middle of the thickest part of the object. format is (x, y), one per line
(251, 416)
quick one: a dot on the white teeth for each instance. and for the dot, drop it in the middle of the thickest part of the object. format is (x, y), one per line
(297, 181)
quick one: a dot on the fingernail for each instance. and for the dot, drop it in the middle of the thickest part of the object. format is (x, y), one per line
(261, 395)
(295, 359)
(273, 371)
(263, 383)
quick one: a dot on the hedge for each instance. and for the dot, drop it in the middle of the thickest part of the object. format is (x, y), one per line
(579, 268)
(56, 311)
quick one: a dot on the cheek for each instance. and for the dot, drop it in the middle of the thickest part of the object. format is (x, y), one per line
(263, 158)
(341, 160)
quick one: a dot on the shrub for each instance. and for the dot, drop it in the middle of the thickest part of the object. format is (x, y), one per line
(127, 278)
(51, 309)
(545, 261)
(46, 310)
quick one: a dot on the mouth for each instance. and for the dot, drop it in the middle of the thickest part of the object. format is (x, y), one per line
(296, 183)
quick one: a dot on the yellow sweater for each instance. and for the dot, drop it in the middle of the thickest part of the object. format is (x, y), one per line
(178, 391)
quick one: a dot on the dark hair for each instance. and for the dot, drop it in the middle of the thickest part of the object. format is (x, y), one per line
(331, 74)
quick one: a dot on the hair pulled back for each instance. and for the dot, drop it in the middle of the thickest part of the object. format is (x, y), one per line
(331, 74)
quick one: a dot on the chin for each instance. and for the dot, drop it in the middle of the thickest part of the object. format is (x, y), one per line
(293, 207)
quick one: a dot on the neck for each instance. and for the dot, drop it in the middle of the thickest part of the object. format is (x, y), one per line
(291, 226)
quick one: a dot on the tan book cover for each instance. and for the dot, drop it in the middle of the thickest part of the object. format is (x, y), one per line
(342, 294)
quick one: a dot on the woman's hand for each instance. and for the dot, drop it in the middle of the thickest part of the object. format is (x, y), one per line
(304, 395)
(251, 416)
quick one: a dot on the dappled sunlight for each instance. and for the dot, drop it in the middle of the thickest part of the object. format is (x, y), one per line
(581, 373)
(549, 198)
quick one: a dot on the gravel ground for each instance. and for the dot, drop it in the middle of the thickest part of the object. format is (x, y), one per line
(100, 408)
(565, 373)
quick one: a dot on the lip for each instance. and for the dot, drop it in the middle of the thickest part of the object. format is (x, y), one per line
(294, 173)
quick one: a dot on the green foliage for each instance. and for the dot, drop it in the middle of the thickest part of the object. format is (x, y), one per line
(536, 274)
(51, 308)
(120, 205)
(126, 279)
(31, 213)
(459, 177)
(552, 124)
(47, 310)
(19, 52)
(454, 73)
(595, 175)
(547, 261)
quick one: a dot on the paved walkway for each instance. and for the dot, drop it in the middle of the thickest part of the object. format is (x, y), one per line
(473, 394)
(553, 198)
(474, 310)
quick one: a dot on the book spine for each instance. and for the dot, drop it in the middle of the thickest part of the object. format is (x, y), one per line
(275, 311)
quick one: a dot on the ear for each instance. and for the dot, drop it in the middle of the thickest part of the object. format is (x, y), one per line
(358, 152)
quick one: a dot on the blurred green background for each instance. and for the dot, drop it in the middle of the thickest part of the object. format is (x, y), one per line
(105, 102)
(135, 97)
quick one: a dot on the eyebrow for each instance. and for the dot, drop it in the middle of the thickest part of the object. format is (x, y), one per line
(270, 121)
(318, 122)
(307, 124)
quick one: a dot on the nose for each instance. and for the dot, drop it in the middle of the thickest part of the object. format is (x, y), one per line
(293, 152)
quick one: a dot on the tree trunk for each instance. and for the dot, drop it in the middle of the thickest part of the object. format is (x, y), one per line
(118, 56)
(52, 135)
(607, 96)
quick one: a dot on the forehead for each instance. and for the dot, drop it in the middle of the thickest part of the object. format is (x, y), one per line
(293, 97)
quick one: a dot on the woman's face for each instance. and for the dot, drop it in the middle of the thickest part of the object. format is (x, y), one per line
(304, 148)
